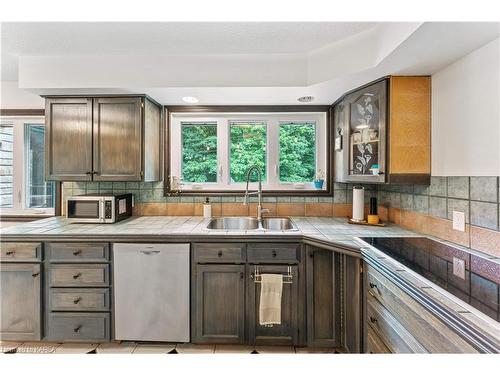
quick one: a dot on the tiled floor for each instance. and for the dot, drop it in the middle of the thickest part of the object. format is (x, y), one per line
(11, 347)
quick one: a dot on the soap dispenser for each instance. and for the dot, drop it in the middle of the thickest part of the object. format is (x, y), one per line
(207, 209)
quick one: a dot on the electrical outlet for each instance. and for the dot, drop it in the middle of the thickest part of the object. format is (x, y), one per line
(459, 267)
(459, 221)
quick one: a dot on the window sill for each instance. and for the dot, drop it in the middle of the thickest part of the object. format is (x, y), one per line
(27, 217)
(268, 193)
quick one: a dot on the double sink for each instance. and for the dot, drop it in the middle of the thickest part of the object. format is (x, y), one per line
(251, 223)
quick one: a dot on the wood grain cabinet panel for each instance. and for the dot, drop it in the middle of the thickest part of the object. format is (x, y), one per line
(219, 252)
(117, 139)
(68, 139)
(432, 334)
(374, 344)
(20, 251)
(78, 327)
(87, 275)
(323, 292)
(218, 304)
(20, 301)
(286, 333)
(74, 299)
(77, 252)
(273, 253)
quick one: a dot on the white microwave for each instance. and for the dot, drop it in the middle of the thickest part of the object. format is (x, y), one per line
(99, 208)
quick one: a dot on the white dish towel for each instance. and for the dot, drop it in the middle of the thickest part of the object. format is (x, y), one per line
(271, 289)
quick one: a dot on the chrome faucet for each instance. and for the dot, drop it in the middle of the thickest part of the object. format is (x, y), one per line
(260, 210)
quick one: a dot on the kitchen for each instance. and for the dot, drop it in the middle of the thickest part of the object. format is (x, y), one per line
(250, 187)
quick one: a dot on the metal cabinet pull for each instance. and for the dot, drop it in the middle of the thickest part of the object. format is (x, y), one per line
(77, 329)
(77, 252)
(76, 300)
(89, 173)
(10, 252)
(35, 274)
(219, 254)
(311, 255)
(274, 253)
(149, 252)
(373, 286)
(373, 320)
(241, 275)
(77, 275)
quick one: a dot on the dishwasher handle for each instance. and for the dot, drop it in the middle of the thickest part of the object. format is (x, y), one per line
(149, 252)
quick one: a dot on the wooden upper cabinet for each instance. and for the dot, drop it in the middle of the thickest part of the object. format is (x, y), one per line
(103, 139)
(117, 139)
(383, 132)
(68, 139)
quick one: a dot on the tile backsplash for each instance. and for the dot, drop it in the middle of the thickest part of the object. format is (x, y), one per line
(425, 209)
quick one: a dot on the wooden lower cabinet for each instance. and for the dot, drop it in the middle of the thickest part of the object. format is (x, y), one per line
(218, 303)
(286, 333)
(20, 301)
(323, 293)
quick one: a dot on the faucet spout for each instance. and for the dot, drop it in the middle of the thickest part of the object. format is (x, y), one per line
(258, 192)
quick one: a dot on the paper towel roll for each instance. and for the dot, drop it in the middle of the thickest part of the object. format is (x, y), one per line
(358, 203)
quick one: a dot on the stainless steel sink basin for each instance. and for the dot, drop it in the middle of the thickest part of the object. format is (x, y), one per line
(251, 223)
(278, 223)
(233, 223)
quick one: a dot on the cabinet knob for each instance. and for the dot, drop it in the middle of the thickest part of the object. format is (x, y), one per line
(90, 173)
(219, 254)
(77, 329)
(373, 286)
(311, 255)
(274, 253)
(373, 320)
(77, 252)
(76, 300)
(35, 274)
(241, 275)
(77, 275)
(10, 252)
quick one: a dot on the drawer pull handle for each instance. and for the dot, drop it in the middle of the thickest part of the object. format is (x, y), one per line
(274, 253)
(10, 252)
(35, 274)
(77, 275)
(77, 252)
(241, 275)
(373, 286)
(219, 254)
(76, 300)
(373, 320)
(77, 329)
(150, 252)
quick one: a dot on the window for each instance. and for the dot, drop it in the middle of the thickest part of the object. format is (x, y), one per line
(213, 151)
(23, 189)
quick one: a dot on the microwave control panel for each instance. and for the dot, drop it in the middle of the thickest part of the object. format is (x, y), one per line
(107, 210)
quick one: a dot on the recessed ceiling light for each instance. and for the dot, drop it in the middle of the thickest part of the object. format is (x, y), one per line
(190, 99)
(306, 99)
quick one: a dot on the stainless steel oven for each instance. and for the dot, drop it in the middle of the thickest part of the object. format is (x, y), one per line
(99, 208)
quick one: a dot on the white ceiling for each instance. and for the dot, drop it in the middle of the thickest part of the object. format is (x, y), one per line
(228, 63)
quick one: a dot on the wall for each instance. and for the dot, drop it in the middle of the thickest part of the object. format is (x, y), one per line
(465, 115)
(12, 97)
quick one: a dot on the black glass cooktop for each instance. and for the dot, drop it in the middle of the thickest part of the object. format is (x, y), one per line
(434, 261)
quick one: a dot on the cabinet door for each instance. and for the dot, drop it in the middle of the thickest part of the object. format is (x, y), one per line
(286, 333)
(219, 304)
(20, 301)
(323, 304)
(365, 134)
(68, 139)
(117, 139)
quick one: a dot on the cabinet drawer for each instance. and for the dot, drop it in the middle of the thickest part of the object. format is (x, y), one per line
(434, 335)
(219, 253)
(78, 327)
(374, 345)
(390, 331)
(78, 252)
(20, 251)
(73, 299)
(79, 275)
(273, 253)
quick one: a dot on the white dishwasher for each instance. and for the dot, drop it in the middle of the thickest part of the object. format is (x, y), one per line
(151, 292)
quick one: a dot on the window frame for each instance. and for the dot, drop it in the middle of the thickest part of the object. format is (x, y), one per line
(19, 207)
(280, 114)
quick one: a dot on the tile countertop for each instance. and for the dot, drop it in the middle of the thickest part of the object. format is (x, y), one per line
(335, 230)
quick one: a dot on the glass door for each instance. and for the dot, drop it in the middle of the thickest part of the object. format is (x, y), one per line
(366, 134)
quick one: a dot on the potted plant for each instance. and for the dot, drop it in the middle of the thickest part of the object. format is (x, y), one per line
(319, 179)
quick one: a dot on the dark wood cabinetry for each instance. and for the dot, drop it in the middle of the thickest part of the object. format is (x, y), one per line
(382, 132)
(103, 139)
(219, 303)
(323, 297)
(20, 291)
